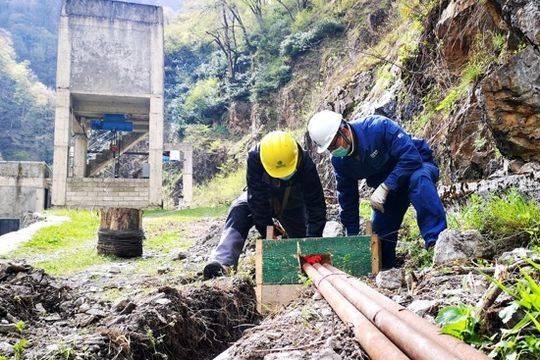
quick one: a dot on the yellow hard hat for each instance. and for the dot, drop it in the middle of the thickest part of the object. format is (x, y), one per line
(279, 154)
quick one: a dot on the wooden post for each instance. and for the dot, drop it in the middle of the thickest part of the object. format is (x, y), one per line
(120, 232)
(376, 255)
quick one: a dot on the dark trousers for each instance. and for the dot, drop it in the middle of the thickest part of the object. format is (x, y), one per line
(430, 215)
(240, 221)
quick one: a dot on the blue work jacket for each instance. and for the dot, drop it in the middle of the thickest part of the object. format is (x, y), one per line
(383, 152)
(306, 192)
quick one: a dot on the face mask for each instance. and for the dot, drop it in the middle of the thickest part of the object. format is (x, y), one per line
(287, 177)
(340, 152)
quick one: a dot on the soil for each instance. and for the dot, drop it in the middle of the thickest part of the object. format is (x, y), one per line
(114, 312)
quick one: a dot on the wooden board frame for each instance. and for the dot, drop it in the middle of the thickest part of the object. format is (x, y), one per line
(271, 296)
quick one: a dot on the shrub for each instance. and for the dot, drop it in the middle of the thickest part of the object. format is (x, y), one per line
(297, 43)
(203, 104)
(270, 78)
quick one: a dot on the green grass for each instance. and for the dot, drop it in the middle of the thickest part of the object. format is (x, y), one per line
(221, 190)
(500, 216)
(71, 247)
(83, 225)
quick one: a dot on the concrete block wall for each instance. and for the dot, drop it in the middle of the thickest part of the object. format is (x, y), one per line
(22, 187)
(108, 192)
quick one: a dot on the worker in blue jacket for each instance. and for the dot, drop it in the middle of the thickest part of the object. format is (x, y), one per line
(400, 168)
(283, 185)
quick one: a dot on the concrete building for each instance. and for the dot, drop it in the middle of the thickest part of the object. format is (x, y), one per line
(110, 61)
(24, 187)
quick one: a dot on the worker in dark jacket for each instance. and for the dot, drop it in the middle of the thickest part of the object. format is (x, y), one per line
(400, 168)
(282, 184)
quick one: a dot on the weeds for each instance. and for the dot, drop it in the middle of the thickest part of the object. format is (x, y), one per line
(503, 216)
(519, 337)
(19, 348)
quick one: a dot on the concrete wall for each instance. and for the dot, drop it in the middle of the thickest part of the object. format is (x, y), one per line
(111, 46)
(22, 188)
(106, 192)
(110, 60)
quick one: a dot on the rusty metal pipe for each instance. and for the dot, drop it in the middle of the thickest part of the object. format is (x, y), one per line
(450, 343)
(410, 341)
(370, 338)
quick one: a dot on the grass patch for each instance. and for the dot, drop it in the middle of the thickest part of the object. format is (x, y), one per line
(221, 190)
(71, 247)
(501, 216)
(83, 225)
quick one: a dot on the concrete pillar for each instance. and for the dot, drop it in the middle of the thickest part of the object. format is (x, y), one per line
(156, 116)
(62, 131)
(187, 176)
(62, 136)
(155, 157)
(80, 147)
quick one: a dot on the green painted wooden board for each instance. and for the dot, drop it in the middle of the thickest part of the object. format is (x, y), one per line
(281, 264)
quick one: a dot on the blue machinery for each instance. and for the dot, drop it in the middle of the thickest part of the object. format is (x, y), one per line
(113, 123)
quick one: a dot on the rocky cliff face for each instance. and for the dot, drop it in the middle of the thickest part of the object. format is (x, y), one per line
(467, 79)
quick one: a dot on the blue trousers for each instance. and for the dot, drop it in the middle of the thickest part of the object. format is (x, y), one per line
(240, 220)
(421, 192)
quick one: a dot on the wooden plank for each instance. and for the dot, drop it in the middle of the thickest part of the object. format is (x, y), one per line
(258, 261)
(376, 255)
(280, 258)
(269, 232)
(274, 296)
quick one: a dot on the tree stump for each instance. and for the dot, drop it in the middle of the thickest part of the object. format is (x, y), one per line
(120, 233)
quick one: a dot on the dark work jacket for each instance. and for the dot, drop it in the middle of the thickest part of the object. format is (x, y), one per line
(383, 152)
(306, 191)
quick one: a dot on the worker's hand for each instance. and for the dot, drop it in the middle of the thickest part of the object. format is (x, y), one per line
(378, 198)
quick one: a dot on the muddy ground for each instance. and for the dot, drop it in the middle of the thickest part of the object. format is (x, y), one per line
(115, 312)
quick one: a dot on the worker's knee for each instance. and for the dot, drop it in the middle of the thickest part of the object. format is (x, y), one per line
(427, 172)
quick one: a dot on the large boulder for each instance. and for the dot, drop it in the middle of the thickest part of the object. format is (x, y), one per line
(510, 96)
(470, 143)
(524, 17)
(454, 246)
(457, 28)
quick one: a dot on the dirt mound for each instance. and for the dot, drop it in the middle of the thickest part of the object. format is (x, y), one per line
(196, 323)
(306, 329)
(26, 292)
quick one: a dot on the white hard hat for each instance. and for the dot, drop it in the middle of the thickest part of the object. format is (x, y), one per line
(322, 128)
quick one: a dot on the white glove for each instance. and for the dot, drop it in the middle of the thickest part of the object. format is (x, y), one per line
(378, 197)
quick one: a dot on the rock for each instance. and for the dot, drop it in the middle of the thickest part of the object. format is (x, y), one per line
(164, 270)
(376, 19)
(326, 354)
(286, 355)
(454, 245)
(162, 301)
(389, 279)
(7, 328)
(470, 142)
(84, 307)
(115, 270)
(457, 28)
(421, 307)
(333, 229)
(524, 15)
(179, 255)
(511, 257)
(96, 312)
(53, 317)
(510, 96)
(6, 348)
(40, 309)
(238, 117)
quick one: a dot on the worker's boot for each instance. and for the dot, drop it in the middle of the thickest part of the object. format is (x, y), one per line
(214, 269)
